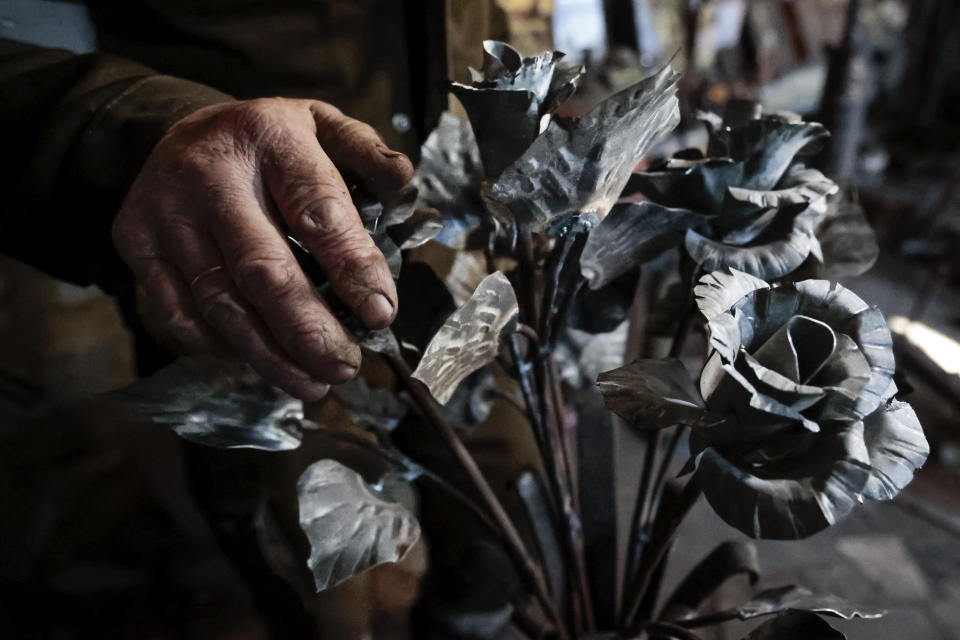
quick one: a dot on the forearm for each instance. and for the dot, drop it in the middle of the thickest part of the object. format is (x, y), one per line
(76, 130)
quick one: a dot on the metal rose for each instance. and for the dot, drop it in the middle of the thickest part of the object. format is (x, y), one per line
(803, 375)
(794, 420)
(754, 198)
(509, 99)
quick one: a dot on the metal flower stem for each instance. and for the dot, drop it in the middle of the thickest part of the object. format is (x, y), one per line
(655, 553)
(514, 542)
(649, 490)
(635, 541)
(555, 463)
(563, 258)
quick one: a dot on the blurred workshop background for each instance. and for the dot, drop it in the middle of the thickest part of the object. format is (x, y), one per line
(92, 523)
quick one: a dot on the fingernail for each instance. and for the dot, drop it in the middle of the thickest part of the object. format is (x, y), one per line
(376, 311)
(314, 392)
(405, 195)
(343, 371)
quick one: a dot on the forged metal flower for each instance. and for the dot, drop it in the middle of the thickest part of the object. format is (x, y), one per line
(795, 421)
(756, 198)
(582, 165)
(510, 98)
(804, 375)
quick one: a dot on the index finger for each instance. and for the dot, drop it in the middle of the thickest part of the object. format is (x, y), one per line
(358, 150)
(315, 204)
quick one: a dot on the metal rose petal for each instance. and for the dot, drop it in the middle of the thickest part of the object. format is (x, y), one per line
(798, 349)
(630, 235)
(765, 311)
(777, 599)
(779, 249)
(848, 241)
(505, 122)
(218, 403)
(582, 165)
(768, 145)
(470, 338)
(370, 406)
(448, 179)
(800, 185)
(509, 98)
(795, 625)
(781, 388)
(844, 377)
(728, 389)
(718, 291)
(716, 294)
(654, 394)
(897, 448)
(846, 313)
(350, 527)
(794, 497)
(699, 185)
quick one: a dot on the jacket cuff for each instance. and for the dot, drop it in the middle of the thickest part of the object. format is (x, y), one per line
(114, 147)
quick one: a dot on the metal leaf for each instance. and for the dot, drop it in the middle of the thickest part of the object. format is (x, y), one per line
(370, 406)
(795, 625)
(630, 235)
(448, 179)
(584, 355)
(897, 448)
(653, 394)
(577, 166)
(217, 403)
(470, 338)
(419, 228)
(777, 599)
(350, 528)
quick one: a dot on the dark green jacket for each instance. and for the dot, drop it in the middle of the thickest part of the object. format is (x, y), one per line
(75, 130)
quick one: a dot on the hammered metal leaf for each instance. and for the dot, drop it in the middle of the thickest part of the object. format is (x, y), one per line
(218, 403)
(795, 625)
(582, 165)
(777, 599)
(470, 338)
(448, 179)
(349, 527)
(653, 394)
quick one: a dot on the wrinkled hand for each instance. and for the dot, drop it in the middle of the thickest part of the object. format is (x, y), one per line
(203, 226)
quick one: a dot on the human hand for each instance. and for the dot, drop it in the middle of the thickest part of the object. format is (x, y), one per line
(203, 226)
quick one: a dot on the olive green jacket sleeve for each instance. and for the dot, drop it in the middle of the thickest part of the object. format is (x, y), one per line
(74, 132)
